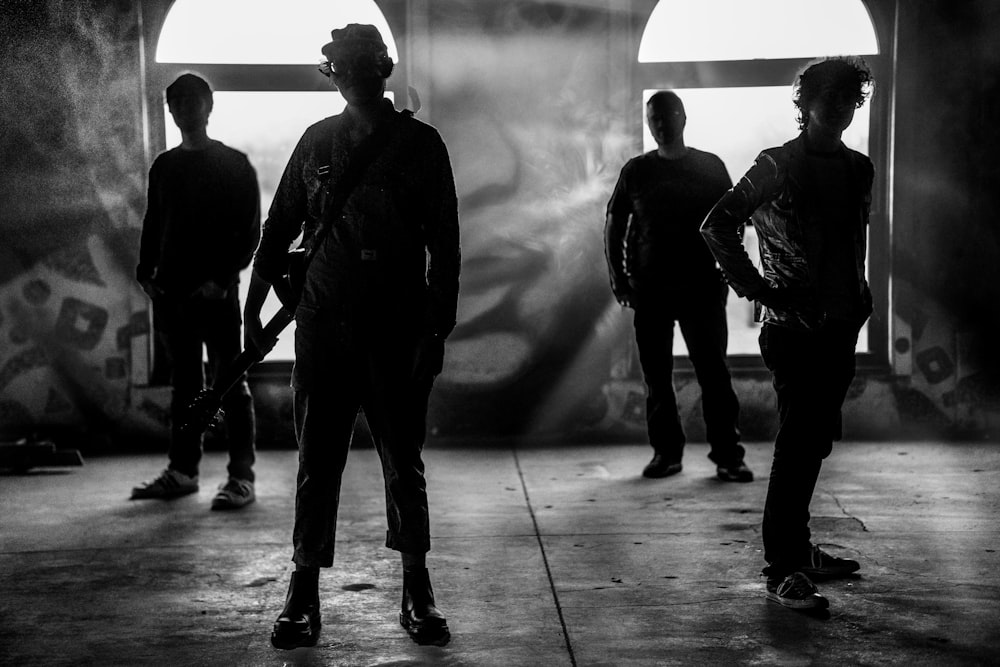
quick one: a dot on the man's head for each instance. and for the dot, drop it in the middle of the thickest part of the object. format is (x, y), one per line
(189, 99)
(358, 61)
(832, 86)
(665, 117)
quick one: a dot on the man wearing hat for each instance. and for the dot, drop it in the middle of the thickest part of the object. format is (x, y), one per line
(378, 300)
(201, 226)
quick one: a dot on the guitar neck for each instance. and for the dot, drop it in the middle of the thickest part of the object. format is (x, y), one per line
(245, 361)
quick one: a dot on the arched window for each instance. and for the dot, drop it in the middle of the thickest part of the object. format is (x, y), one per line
(732, 62)
(260, 57)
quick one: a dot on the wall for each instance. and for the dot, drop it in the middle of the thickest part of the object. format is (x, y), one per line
(532, 99)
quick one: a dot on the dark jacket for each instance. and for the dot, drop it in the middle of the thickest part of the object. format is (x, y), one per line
(771, 196)
(395, 244)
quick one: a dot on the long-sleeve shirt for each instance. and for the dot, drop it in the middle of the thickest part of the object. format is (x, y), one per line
(394, 248)
(651, 233)
(202, 219)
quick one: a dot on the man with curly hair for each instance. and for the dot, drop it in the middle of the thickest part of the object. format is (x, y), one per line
(809, 202)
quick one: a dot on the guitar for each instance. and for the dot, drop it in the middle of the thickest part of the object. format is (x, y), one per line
(205, 409)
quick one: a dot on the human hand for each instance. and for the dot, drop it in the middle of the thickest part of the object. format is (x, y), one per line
(627, 299)
(211, 290)
(783, 298)
(429, 359)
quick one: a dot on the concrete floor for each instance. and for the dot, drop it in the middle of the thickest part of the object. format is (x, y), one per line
(543, 555)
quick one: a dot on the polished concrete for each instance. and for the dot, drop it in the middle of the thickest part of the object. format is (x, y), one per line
(542, 555)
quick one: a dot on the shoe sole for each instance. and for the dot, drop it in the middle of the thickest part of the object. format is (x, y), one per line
(660, 475)
(814, 602)
(433, 636)
(727, 478)
(162, 496)
(290, 643)
(229, 505)
(819, 575)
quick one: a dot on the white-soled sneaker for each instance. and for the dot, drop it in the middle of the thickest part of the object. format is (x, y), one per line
(170, 484)
(795, 591)
(234, 494)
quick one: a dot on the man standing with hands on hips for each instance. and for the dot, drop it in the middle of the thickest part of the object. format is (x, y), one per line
(809, 201)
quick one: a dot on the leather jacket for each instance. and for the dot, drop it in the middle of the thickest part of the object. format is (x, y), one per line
(770, 196)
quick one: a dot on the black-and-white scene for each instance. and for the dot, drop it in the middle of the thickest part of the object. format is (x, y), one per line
(493, 333)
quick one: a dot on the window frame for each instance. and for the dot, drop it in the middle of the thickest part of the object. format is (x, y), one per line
(240, 77)
(775, 72)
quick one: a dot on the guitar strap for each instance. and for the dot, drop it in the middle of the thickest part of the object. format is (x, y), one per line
(362, 156)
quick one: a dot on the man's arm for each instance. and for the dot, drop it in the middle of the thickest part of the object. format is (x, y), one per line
(723, 226)
(443, 246)
(444, 252)
(243, 225)
(615, 228)
(151, 238)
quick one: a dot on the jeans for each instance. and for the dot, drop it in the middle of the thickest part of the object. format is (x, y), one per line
(187, 326)
(811, 371)
(332, 382)
(702, 320)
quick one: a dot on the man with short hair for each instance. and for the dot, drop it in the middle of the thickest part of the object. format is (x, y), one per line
(379, 298)
(809, 202)
(662, 269)
(201, 226)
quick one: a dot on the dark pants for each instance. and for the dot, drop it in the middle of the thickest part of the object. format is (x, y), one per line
(332, 383)
(811, 371)
(214, 324)
(702, 320)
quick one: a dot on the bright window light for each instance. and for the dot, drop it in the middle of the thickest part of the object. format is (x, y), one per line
(703, 30)
(268, 32)
(736, 124)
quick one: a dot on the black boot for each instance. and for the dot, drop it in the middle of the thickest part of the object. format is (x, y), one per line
(422, 620)
(299, 622)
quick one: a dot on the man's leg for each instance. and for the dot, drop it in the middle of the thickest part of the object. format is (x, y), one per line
(184, 346)
(187, 379)
(706, 334)
(324, 423)
(396, 407)
(222, 339)
(801, 443)
(654, 335)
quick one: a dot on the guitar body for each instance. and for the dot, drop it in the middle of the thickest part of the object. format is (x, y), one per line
(206, 408)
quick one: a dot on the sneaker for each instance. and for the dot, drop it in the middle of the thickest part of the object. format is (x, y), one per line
(795, 591)
(234, 494)
(822, 565)
(170, 484)
(736, 473)
(660, 467)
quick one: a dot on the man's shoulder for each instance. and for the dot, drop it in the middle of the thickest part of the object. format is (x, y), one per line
(704, 157)
(642, 160)
(323, 128)
(229, 153)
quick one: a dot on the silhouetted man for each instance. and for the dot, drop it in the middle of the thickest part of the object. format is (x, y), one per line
(201, 226)
(661, 268)
(809, 201)
(379, 298)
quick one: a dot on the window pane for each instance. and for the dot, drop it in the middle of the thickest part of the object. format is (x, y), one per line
(290, 32)
(736, 124)
(701, 30)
